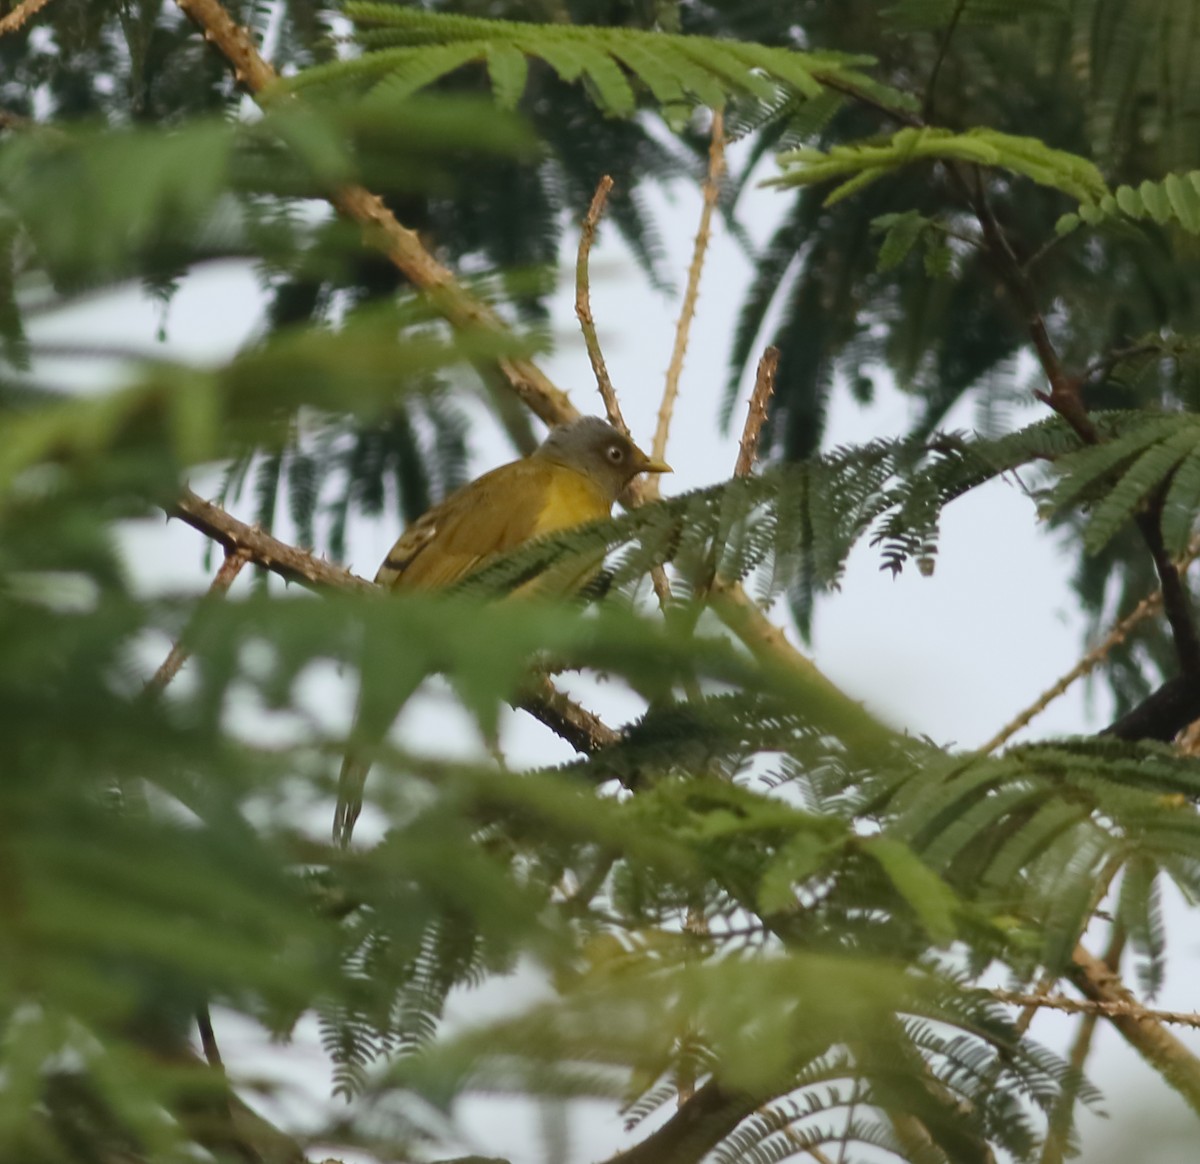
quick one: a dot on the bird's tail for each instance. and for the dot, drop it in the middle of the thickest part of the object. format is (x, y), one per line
(351, 781)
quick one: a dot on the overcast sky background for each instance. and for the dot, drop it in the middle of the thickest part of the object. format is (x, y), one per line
(953, 656)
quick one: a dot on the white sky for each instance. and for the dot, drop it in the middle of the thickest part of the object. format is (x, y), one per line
(953, 656)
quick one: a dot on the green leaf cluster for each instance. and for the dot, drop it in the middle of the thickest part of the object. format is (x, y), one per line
(408, 49)
(866, 163)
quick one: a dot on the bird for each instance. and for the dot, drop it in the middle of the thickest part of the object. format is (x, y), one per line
(574, 476)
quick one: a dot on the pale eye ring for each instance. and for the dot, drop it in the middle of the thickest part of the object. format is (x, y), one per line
(615, 454)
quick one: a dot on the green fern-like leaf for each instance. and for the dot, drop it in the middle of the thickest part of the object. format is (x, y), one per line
(1175, 199)
(858, 165)
(410, 48)
(1119, 475)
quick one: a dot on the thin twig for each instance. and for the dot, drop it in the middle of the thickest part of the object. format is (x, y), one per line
(583, 305)
(1103, 1008)
(1098, 369)
(231, 567)
(1053, 241)
(712, 190)
(208, 1040)
(1049, 980)
(756, 415)
(943, 49)
(1088, 663)
(19, 15)
(260, 547)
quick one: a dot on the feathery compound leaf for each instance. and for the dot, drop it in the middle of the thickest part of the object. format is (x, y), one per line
(1120, 474)
(1144, 476)
(424, 46)
(1176, 198)
(1139, 909)
(1028, 156)
(931, 899)
(508, 70)
(1085, 471)
(1182, 504)
(902, 233)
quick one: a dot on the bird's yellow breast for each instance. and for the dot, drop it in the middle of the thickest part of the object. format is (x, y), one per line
(569, 499)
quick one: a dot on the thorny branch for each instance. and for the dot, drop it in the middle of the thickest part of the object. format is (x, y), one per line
(1110, 1008)
(687, 312)
(17, 18)
(230, 568)
(258, 546)
(1148, 606)
(1144, 1030)
(756, 413)
(583, 306)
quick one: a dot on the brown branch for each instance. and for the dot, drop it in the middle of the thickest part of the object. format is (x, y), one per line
(637, 492)
(1143, 1029)
(1065, 396)
(1177, 603)
(16, 19)
(712, 190)
(260, 547)
(756, 415)
(400, 245)
(231, 567)
(586, 732)
(1061, 1118)
(583, 305)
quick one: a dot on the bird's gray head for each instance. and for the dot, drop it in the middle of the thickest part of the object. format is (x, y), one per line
(592, 446)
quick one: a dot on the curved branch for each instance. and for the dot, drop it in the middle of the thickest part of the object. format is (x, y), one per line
(380, 227)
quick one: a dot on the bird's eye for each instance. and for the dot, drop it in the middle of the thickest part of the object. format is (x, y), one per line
(615, 453)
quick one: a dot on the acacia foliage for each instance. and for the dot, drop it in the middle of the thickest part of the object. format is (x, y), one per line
(754, 890)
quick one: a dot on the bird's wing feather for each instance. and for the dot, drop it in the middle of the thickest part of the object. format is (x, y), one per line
(488, 516)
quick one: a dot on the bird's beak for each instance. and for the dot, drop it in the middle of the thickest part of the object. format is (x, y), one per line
(651, 465)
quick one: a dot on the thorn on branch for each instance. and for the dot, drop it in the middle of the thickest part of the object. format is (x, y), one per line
(756, 415)
(583, 305)
(687, 312)
(17, 18)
